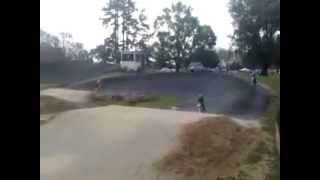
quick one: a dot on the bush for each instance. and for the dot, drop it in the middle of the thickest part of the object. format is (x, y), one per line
(235, 66)
(208, 58)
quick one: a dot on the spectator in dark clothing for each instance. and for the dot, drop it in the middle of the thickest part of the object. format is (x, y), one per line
(253, 78)
(201, 105)
(98, 85)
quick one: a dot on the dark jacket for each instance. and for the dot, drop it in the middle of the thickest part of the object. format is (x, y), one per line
(201, 102)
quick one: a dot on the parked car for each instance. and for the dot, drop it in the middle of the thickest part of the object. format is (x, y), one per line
(216, 70)
(223, 69)
(233, 72)
(184, 70)
(245, 70)
(207, 70)
(196, 67)
(166, 70)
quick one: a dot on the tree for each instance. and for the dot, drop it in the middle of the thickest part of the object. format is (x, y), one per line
(208, 58)
(121, 15)
(230, 57)
(180, 33)
(277, 52)
(256, 26)
(50, 54)
(111, 17)
(50, 50)
(73, 50)
(101, 53)
(224, 55)
(235, 65)
(161, 50)
(49, 39)
(141, 34)
(60, 49)
(77, 52)
(66, 39)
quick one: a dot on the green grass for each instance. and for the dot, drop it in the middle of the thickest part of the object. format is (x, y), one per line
(241, 176)
(53, 105)
(274, 174)
(273, 81)
(268, 122)
(258, 153)
(269, 117)
(162, 101)
(267, 147)
(154, 101)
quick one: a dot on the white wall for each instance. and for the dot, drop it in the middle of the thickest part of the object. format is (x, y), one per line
(130, 65)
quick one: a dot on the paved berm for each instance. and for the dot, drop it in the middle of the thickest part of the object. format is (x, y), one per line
(224, 94)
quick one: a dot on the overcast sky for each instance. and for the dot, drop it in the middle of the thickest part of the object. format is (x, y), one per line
(81, 17)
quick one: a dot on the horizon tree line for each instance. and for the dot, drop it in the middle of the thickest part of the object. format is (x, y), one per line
(178, 36)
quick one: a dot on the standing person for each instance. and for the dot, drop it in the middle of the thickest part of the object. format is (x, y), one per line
(99, 85)
(253, 78)
(202, 107)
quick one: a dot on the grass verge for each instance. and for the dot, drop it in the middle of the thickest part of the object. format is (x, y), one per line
(161, 101)
(266, 149)
(50, 104)
(154, 101)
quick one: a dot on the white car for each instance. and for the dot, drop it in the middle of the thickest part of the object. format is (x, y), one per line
(166, 70)
(245, 70)
(214, 70)
(196, 67)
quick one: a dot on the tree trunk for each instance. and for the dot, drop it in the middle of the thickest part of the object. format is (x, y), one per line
(123, 36)
(177, 66)
(278, 68)
(116, 28)
(264, 70)
(127, 41)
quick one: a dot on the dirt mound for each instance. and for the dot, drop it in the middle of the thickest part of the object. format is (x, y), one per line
(211, 143)
(49, 104)
(75, 96)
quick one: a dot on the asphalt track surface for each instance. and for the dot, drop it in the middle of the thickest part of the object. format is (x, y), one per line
(72, 72)
(223, 94)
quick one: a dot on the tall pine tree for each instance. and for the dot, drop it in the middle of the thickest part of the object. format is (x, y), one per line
(121, 15)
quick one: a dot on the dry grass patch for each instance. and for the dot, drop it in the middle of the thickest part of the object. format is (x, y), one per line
(49, 105)
(210, 144)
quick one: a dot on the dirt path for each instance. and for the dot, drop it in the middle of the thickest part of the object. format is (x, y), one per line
(113, 142)
(109, 142)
